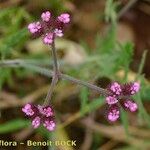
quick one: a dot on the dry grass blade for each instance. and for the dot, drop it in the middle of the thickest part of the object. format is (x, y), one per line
(112, 132)
(10, 100)
(109, 145)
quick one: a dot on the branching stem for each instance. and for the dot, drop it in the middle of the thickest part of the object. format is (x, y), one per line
(50, 73)
(80, 82)
(56, 74)
(50, 91)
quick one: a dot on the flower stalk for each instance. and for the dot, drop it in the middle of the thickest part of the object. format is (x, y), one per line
(55, 76)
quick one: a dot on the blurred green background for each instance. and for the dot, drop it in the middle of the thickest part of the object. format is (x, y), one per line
(107, 40)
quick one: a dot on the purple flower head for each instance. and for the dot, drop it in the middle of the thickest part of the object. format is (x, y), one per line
(46, 111)
(49, 27)
(48, 38)
(46, 16)
(40, 115)
(113, 114)
(34, 27)
(111, 100)
(36, 122)
(49, 125)
(130, 88)
(27, 109)
(132, 106)
(119, 95)
(65, 18)
(135, 87)
(58, 32)
(115, 88)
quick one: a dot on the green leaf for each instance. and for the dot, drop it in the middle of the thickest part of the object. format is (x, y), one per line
(16, 39)
(110, 11)
(84, 98)
(93, 105)
(142, 111)
(126, 53)
(142, 63)
(125, 57)
(43, 131)
(106, 44)
(145, 94)
(13, 125)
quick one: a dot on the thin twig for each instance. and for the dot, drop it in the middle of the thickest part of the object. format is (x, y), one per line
(50, 91)
(6, 63)
(50, 73)
(80, 82)
(54, 55)
(126, 8)
(55, 75)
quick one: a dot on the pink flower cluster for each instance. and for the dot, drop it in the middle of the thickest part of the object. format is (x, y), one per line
(119, 95)
(49, 27)
(40, 115)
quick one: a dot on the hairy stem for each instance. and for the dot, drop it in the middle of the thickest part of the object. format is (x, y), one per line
(50, 91)
(50, 73)
(55, 75)
(89, 85)
(54, 55)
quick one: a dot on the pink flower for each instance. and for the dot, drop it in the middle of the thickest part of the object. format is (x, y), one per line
(111, 100)
(132, 106)
(49, 27)
(50, 125)
(40, 115)
(34, 27)
(115, 88)
(116, 98)
(58, 32)
(135, 87)
(27, 109)
(36, 122)
(113, 114)
(46, 16)
(65, 18)
(47, 111)
(48, 39)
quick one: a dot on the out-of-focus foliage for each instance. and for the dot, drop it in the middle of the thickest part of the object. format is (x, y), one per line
(105, 60)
